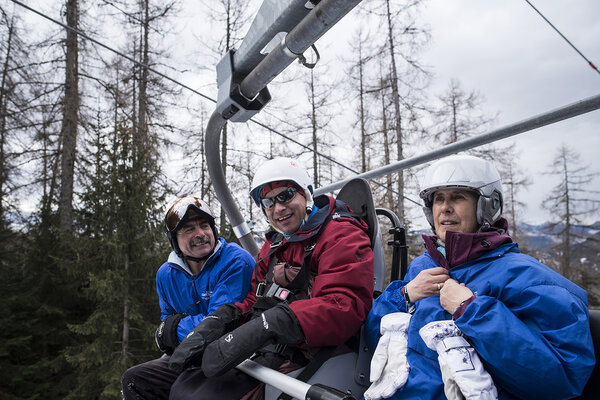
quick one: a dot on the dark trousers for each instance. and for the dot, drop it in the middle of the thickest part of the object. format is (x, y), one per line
(154, 380)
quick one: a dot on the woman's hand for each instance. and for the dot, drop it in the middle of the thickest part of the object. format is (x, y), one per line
(453, 294)
(427, 283)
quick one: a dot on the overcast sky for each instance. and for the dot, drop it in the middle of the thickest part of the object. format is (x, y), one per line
(504, 50)
(522, 67)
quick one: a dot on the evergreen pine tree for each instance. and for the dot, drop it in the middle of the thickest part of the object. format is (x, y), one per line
(122, 246)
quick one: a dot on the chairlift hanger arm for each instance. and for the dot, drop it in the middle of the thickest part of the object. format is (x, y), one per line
(240, 97)
(326, 14)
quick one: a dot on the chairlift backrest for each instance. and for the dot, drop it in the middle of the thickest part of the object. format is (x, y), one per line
(357, 195)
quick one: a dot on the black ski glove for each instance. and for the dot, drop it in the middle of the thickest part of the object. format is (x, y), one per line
(166, 333)
(189, 352)
(278, 325)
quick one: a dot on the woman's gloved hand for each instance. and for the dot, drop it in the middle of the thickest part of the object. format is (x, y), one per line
(389, 366)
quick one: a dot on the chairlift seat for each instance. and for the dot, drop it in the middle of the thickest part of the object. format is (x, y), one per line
(357, 195)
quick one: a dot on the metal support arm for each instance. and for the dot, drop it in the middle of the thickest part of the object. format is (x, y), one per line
(215, 170)
(238, 101)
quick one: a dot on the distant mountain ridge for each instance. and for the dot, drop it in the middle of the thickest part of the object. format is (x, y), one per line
(543, 239)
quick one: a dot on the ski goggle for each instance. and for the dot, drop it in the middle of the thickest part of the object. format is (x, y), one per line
(282, 198)
(184, 209)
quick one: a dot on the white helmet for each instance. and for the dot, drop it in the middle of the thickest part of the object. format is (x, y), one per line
(468, 173)
(282, 169)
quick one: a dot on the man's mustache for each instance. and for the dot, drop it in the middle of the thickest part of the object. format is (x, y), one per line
(199, 241)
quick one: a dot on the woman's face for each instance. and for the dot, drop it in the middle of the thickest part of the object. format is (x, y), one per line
(454, 210)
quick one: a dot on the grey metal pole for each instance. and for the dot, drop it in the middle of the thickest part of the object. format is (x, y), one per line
(291, 386)
(295, 388)
(569, 111)
(296, 42)
(273, 17)
(215, 170)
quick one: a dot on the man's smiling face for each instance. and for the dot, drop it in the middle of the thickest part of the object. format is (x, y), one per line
(196, 238)
(288, 217)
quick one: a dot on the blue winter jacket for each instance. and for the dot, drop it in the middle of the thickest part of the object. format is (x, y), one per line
(528, 324)
(224, 279)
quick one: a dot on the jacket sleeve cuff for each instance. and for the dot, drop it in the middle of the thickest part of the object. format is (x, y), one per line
(461, 309)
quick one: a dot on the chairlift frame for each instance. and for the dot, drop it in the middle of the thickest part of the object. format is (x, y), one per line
(243, 76)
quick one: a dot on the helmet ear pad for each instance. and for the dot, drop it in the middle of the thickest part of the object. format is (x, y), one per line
(489, 209)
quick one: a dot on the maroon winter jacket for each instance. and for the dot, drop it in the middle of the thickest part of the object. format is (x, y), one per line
(342, 263)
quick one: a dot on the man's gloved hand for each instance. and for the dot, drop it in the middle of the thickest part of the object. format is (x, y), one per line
(166, 333)
(277, 324)
(459, 362)
(389, 366)
(189, 352)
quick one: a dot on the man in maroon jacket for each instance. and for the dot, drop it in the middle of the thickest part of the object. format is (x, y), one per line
(312, 287)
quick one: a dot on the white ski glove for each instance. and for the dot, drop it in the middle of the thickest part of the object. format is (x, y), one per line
(389, 366)
(459, 362)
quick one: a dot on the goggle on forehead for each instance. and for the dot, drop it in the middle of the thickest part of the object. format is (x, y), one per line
(179, 210)
(282, 198)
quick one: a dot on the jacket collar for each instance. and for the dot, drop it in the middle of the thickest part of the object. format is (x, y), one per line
(464, 247)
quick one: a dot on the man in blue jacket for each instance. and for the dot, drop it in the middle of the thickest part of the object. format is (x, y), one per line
(504, 314)
(202, 273)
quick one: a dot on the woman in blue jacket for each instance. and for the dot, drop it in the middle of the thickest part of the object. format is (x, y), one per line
(528, 325)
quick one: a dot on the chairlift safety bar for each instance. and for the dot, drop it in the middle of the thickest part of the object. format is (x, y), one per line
(291, 386)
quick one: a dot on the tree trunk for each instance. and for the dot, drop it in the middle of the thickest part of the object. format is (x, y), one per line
(69, 120)
(566, 270)
(398, 120)
(142, 131)
(125, 333)
(513, 211)
(3, 115)
(386, 149)
(223, 224)
(313, 121)
(228, 33)
(361, 94)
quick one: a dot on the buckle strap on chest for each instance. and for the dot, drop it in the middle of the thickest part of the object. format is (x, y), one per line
(300, 284)
(260, 286)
